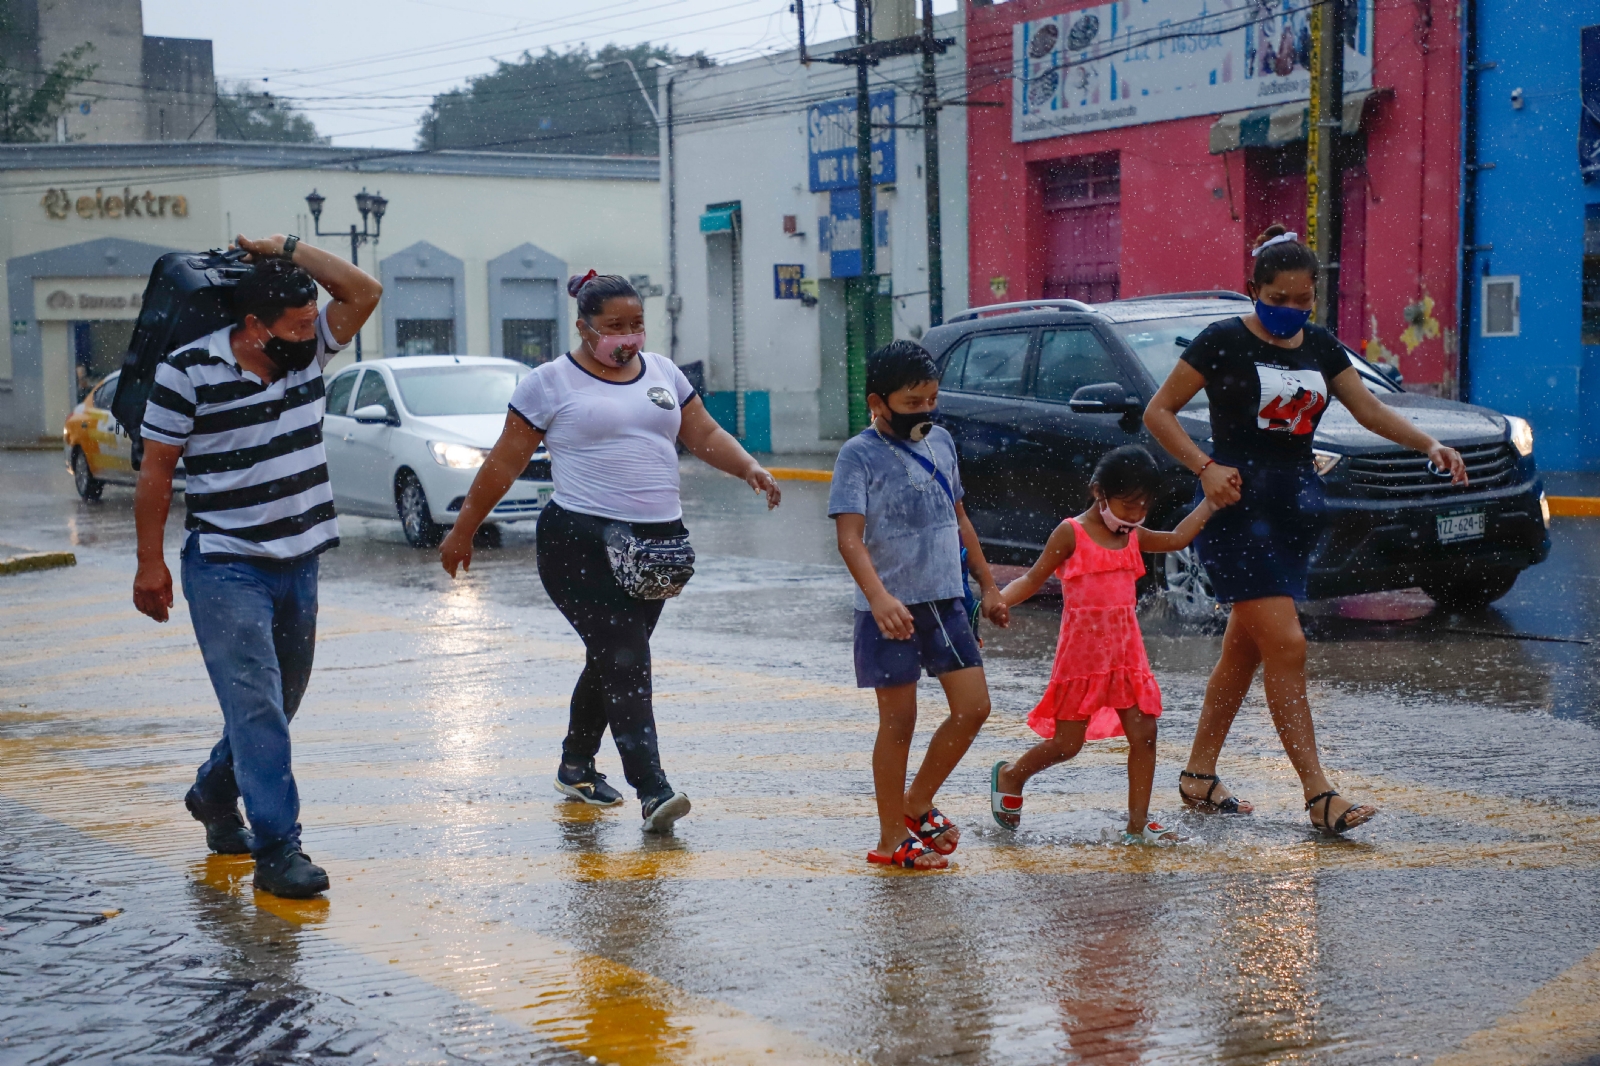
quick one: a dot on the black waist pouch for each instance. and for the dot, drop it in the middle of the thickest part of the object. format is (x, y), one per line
(649, 568)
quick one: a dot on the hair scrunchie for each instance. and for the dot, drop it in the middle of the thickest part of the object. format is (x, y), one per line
(575, 283)
(1282, 238)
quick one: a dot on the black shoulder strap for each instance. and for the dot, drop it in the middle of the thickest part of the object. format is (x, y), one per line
(927, 464)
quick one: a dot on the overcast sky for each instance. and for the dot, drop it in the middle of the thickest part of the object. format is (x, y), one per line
(364, 71)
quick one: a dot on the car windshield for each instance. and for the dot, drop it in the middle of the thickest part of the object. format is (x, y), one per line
(1160, 342)
(458, 390)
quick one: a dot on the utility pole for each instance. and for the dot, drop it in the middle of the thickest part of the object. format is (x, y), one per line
(869, 248)
(1324, 187)
(930, 168)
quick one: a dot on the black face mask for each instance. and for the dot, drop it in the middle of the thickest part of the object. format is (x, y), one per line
(290, 356)
(912, 427)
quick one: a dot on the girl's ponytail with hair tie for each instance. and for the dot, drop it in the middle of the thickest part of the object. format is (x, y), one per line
(576, 283)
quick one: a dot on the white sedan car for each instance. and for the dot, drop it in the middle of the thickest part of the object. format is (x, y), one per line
(405, 437)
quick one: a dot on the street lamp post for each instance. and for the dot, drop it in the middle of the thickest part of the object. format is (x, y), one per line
(664, 132)
(371, 205)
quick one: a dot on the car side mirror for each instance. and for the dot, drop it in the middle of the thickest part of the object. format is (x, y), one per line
(1107, 398)
(373, 412)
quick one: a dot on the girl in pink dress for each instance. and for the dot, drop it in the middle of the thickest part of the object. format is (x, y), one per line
(1101, 685)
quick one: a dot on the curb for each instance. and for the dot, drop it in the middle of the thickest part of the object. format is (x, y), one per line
(22, 564)
(795, 473)
(1574, 506)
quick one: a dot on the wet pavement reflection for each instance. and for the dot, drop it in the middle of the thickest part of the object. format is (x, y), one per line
(476, 917)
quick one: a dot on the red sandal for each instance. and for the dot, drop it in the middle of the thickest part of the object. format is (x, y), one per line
(905, 856)
(932, 829)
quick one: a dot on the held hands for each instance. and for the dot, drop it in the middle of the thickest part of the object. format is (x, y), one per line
(1222, 485)
(893, 618)
(760, 480)
(456, 550)
(152, 590)
(995, 608)
(1449, 459)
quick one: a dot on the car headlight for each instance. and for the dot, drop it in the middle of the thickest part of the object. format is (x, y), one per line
(1521, 434)
(457, 456)
(1324, 462)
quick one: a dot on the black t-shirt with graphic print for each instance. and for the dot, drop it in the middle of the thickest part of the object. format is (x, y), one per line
(1266, 401)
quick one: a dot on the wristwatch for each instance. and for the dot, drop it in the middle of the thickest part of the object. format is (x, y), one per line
(289, 244)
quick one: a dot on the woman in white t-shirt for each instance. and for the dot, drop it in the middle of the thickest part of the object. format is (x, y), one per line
(611, 414)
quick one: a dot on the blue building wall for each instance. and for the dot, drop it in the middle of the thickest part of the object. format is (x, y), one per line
(1531, 207)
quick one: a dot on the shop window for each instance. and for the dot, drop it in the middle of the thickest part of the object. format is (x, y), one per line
(1591, 275)
(1082, 230)
(1069, 360)
(528, 340)
(425, 336)
(1502, 305)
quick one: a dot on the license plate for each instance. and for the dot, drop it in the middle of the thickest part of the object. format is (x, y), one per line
(1454, 527)
(545, 492)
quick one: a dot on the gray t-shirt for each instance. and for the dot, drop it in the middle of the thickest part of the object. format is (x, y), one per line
(911, 530)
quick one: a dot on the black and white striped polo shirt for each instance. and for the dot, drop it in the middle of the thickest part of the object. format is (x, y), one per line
(257, 476)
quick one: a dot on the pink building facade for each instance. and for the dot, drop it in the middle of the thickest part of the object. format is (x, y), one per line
(1164, 204)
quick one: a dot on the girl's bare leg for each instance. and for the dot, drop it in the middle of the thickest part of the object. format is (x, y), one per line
(1067, 742)
(1229, 684)
(1274, 627)
(1141, 731)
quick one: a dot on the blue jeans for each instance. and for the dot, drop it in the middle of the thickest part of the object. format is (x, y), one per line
(257, 628)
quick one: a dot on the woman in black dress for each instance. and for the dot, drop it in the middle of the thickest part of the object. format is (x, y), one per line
(1269, 376)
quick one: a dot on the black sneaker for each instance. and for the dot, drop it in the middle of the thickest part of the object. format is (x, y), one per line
(225, 831)
(287, 871)
(661, 812)
(586, 785)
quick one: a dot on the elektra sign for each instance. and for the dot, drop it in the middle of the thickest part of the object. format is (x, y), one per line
(1137, 61)
(831, 142)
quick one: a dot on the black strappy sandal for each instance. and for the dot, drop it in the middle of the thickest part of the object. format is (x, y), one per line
(1206, 805)
(1342, 824)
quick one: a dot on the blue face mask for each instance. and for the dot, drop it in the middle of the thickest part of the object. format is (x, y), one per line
(1280, 321)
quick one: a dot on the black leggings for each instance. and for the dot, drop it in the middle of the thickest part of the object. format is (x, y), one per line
(614, 688)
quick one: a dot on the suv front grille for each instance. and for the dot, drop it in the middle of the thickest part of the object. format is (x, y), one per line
(1405, 473)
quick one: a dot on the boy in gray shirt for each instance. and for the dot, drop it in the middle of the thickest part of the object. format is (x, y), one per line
(896, 501)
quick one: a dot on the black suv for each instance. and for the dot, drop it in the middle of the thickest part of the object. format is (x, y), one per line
(1034, 393)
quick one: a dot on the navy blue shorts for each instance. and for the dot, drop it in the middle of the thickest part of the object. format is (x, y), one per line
(1261, 546)
(943, 643)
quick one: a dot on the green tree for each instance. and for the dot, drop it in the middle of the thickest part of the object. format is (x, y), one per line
(32, 97)
(244, 114)
(550, 103)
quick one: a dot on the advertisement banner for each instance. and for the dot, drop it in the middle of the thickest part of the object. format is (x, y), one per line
(1137, 61)
(839, 234)
(831, 142)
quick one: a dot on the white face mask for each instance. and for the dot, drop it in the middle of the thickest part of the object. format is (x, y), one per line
(1113, 523)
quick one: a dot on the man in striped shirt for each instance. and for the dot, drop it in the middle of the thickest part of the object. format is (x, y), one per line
(243, 409)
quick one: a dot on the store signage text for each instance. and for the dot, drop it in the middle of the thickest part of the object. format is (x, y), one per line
(786, 279)
(839, 234)
(62, 300)
(1120, 64)
(831, 142)
(60, 204)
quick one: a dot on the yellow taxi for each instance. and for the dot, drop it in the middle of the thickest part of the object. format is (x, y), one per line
(97, 448)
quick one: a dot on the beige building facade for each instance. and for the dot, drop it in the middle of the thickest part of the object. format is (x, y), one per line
(474, 250)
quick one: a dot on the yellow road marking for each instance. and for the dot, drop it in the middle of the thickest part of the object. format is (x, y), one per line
(1558, 1024)
(797, 473)
(1574, 506)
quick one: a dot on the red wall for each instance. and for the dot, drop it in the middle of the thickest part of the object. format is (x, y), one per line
(1181, 228)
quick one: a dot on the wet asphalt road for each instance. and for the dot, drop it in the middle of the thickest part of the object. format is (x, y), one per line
(475, 917)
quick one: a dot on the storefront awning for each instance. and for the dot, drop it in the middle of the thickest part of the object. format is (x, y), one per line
(718, 219)
(1269, 127)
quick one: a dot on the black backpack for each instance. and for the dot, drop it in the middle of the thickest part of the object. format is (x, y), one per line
(190, 294)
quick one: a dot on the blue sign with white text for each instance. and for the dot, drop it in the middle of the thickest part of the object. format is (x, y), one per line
(841, 234)
(831, 142)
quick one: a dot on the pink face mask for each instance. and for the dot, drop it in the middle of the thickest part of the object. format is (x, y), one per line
(1113, 523)
(606, 345)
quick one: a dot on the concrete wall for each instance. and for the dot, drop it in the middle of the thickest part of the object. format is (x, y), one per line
(1531, 208)
(740, 132)
(180, 90)
(1179, 202)
(585, 219)
(115, 99)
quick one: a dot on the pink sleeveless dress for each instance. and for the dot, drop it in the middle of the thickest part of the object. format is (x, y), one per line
(1101, 663)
